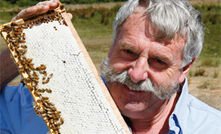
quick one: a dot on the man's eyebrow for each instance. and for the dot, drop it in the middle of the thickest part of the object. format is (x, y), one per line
(127, 46)
(161, 57)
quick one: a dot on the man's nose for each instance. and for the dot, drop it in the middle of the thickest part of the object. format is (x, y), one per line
(139, 70)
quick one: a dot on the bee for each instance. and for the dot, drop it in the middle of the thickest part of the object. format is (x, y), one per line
(24, 46)
(26, 67)
(21, 70)
(31, 25)
(62, 120)
(18, 32)
(36, 107)
(32, 88)
(49, 103)
(31, 66)
(61, 6)
(45, 98)
(45, 76)
(14, 24)
(40, 112)
(49, 77)
(48, 90)
(23, 82)
(24, 36)
(56, 128)
(15, 29)
(64, 22)
(34, 84)
(57, 123)
(50, 115)
(56, 132)
(34, 73)
(48, 109)
(46, 105)
(43, 66)
(14, 40)
(53, 108)
(51, 126)
(5, 28)
(24, 26)
(11, 47)
(44, 117)
(21, 41)
(35, 78)
(49, 112)
(39, 100)
(36, 94)
(41, 90)
(45, 82)
(24, 57)
(57, 112)
(51, 121)
(28, 80)
(41, 71)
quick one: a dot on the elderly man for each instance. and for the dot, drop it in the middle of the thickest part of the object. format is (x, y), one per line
(155, 43)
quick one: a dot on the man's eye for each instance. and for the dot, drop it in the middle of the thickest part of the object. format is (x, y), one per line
(128, 51)
(159, 61)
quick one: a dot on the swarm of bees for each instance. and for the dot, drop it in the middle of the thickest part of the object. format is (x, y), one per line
(15, 38)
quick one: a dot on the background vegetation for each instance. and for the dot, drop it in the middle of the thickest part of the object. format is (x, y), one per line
(96, 23)
(23, 3)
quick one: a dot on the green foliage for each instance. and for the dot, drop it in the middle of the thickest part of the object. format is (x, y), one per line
(24, 3)
(216, 74)
(97, 23)
(20, 3)
(200, 72)
(212, 20)
(210, 62)
(5, 4)
(190, 74)
(205, 85)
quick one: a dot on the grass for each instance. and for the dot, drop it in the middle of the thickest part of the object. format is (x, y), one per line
(205, 85)
(211, 62)
(200, 72)
(212, 20)
(216, 74)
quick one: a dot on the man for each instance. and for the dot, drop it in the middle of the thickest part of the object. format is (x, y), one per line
(155, 43)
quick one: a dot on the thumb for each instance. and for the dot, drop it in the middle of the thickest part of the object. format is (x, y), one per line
(69, 15)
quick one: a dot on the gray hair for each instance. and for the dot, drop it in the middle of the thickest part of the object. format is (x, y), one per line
(169, 17)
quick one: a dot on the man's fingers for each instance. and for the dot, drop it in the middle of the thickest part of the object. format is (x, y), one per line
(25, 13)
(40, 8)
(69, 15)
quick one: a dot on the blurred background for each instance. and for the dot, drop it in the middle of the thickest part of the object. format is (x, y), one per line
(93, 21)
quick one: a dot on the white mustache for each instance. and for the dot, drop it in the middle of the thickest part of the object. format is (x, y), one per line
(125, 79)
(112, 75)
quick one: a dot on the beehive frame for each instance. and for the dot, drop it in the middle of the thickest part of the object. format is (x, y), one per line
(68, 91)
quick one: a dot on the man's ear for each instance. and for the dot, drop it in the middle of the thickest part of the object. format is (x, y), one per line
(185, 70)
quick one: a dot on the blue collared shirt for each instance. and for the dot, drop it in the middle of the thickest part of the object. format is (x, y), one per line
(190, 115)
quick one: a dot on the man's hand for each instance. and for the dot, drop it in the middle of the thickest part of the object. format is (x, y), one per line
(40, 8)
